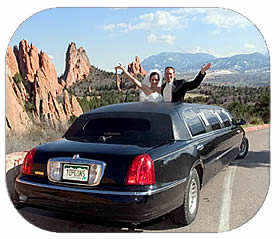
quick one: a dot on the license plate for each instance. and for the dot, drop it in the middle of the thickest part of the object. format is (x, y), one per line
(75, 172)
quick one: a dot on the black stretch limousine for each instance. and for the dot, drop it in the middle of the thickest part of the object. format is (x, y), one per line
(132, 162)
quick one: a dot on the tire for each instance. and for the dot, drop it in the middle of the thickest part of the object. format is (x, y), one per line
(186, 214)
(243, 149)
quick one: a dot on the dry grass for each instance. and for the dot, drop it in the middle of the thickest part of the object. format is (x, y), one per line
(38, 134)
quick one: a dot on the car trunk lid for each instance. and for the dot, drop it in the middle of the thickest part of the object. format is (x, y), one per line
(116, 157)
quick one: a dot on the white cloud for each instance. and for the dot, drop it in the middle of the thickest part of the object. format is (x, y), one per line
(250, 47)
(166, 21)
(160, 20)
(168, 39)
(109, 27)
(189, 11)
(180, 17)
(152, 38)
(225, 18)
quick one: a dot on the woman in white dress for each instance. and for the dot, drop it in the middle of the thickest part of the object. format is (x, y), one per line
(150, 87)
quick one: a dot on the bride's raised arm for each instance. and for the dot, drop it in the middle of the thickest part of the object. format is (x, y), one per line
(144, 88)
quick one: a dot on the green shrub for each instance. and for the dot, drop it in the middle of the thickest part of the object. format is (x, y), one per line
(256, 120)
(17, 78)
(29, 107)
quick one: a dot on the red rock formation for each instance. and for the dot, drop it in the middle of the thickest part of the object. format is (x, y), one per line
(38, 89)
(11, 61)
(67, 104)
(28, 60)
(71, 107)
(49, 72)
(56, 110)
(76, 108)
(17, 119)
(34, 65)
(77, 65)
(18, 86)
(20, 92)
(135, 68)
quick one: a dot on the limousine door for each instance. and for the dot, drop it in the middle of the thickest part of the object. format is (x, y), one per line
(206, 149)
(228, 141)
(203, 142)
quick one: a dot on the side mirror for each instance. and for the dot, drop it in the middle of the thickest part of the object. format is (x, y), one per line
(241, 122)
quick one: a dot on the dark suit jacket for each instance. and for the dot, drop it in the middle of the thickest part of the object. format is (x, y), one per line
(180, 87)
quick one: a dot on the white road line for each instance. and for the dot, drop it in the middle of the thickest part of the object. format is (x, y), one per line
(224, 221)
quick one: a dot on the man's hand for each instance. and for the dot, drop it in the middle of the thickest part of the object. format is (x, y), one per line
(205, 67)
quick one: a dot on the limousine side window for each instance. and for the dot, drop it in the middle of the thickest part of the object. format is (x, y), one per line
(212, 119)
(193, 122)
(224, 118)
(228, 115)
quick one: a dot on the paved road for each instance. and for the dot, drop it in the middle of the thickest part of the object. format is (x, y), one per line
(229, 200)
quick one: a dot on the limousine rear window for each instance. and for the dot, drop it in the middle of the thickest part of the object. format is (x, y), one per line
(212, 119)
(142, 130)
(193, 122)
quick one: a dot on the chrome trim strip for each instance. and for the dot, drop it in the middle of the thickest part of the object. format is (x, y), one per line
(172, 185)
(224, 153)
(86, 190)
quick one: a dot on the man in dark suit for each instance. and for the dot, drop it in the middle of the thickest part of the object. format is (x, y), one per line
(175, 90)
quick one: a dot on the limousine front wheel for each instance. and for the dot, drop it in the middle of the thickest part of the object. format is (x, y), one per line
(185, 214)
(243, 149)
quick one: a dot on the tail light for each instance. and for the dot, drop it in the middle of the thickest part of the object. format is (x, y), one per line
(28, 162)
(141, 171)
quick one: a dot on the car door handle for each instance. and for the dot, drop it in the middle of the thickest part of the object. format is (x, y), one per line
(200, 147)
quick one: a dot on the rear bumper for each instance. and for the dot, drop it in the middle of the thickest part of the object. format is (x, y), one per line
(122, 206)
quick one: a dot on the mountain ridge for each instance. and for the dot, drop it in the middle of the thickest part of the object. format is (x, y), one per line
(188, 62)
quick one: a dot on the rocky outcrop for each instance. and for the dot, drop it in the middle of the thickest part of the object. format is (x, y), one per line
(77, 64)
(28, 60)
(49, 72)
(71, 106)
(15, 78)
(11, 62)
(36, 65)
(134, 68)
(17, 119)
(32, 86)
(76, 108)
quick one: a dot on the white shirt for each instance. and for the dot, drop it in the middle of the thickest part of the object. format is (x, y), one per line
(167, 92)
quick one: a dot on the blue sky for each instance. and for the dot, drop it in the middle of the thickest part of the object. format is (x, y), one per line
(113, 35)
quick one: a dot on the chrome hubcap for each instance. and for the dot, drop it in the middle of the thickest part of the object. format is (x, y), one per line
(193, 196)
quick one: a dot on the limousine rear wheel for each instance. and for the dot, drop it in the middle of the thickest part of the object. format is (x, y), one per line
(243, 149)
(185, 214)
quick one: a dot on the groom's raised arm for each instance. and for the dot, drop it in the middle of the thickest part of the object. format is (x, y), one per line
(190, 85)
